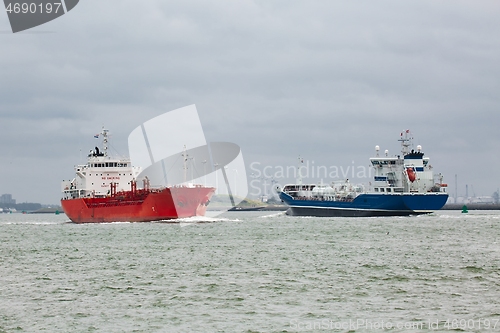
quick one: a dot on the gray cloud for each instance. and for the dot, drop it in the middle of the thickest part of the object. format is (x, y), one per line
(326, 80)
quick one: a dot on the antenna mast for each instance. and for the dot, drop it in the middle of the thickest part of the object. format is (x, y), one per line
(184, 155)
(299, 169)
(405, 142)
(104, 133)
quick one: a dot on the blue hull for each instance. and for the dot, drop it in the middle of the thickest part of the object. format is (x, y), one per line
(369, 205)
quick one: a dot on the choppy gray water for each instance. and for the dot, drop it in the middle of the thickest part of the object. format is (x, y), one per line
(252, 272)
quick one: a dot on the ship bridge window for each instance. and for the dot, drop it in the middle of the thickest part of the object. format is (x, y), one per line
(392, 162)
(376, 189)
(381, 189)
(374, 162)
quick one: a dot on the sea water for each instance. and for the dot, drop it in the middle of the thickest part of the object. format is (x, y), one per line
(252, 272)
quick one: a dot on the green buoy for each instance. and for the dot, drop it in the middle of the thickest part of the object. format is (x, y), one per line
(464, 209)
(57, 212)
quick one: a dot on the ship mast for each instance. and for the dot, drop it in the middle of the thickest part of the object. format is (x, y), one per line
(405, 142)
(184, 155)
(104, 133)
(299, 173)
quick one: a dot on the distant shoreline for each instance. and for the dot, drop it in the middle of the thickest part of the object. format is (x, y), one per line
(472, 206)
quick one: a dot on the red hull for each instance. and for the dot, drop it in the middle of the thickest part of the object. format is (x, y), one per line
(140, 205)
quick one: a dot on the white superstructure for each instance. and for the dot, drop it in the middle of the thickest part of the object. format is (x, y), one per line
(94, 178)
(409, 173)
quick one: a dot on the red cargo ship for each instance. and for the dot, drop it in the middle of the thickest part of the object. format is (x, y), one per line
(105, 190)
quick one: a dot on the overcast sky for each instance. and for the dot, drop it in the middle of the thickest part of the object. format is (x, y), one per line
(324, 80)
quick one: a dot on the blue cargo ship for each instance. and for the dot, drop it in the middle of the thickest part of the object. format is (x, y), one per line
(402, 185)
